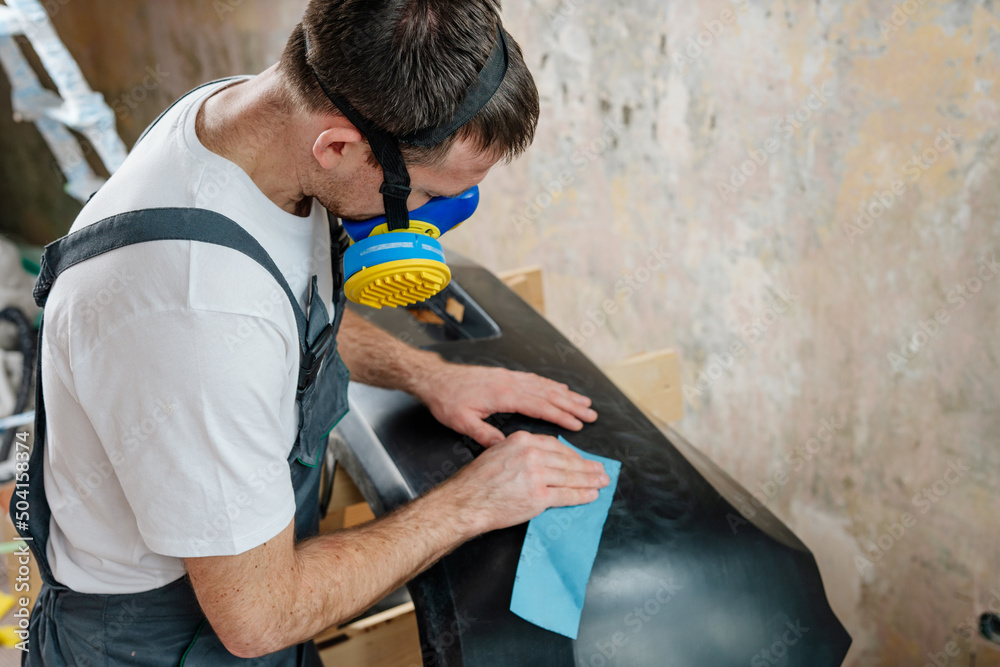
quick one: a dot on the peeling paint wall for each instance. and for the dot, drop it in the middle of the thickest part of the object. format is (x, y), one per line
(800, 197)
(740, 139)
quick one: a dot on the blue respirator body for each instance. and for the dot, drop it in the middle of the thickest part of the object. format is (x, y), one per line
(385, 267)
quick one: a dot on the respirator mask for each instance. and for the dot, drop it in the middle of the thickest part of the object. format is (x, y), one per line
(396, 259)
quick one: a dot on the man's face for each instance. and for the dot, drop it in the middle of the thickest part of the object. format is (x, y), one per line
(353, 192)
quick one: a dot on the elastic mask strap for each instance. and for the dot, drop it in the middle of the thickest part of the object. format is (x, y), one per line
(479, 93)
(396, 186)
(385, 147)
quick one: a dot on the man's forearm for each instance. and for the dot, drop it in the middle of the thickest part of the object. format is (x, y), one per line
(357, 566)
(380, 359)
(282, 594)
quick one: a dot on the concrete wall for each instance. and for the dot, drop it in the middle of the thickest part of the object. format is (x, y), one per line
(699, 171)
(790, 310)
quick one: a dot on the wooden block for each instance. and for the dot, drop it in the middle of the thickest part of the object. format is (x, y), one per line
(347, 506)
(332, 522)
(364, 625)
(426, 316)
(345, 517)
(526, 283)
(455, 308)
(653, 381)
(357, 514)
(345, 491)
(389, 639)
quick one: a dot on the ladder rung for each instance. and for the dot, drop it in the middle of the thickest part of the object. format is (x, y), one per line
(10, 22)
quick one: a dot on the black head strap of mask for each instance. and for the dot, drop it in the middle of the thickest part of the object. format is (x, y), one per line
(385, 147)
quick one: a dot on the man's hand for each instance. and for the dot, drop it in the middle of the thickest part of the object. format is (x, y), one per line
(519, 478)
(461, 397)
(282, 593)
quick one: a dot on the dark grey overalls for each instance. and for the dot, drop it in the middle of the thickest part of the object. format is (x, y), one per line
(166, 627)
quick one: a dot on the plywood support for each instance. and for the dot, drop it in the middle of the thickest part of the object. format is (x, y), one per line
(345, 491)
(526, 282)
(653, 381)
(386, 639)
(347, 505)
(389, 639)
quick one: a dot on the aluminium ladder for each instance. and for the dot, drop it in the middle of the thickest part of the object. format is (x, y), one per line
(75, 107)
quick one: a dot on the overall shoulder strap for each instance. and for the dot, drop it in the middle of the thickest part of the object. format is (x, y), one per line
(156, 224)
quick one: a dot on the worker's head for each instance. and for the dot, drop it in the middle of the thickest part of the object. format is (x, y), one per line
(405, 65)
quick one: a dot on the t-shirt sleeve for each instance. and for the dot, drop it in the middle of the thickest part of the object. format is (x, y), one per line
(193, 409)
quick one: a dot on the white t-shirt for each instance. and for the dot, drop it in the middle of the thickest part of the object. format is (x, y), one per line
(170, 371)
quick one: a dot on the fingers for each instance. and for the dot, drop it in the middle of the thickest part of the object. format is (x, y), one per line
(578, 480)
(562, 401)
(480, 431)
(558, 403)
(564, 466)
(567, 399)
(542, 409)
(542, 442)
(565, 497)
(519, 478)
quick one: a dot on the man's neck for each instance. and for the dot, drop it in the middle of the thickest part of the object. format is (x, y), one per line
(247, 125)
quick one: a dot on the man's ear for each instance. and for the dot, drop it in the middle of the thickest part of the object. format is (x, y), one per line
(331, 145)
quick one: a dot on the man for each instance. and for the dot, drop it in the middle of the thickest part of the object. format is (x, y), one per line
(187, 382)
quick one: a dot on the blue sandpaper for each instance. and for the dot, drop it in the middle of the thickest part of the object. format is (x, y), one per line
(557, 556)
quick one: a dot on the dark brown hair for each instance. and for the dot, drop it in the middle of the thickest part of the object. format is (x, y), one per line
(406, 64)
